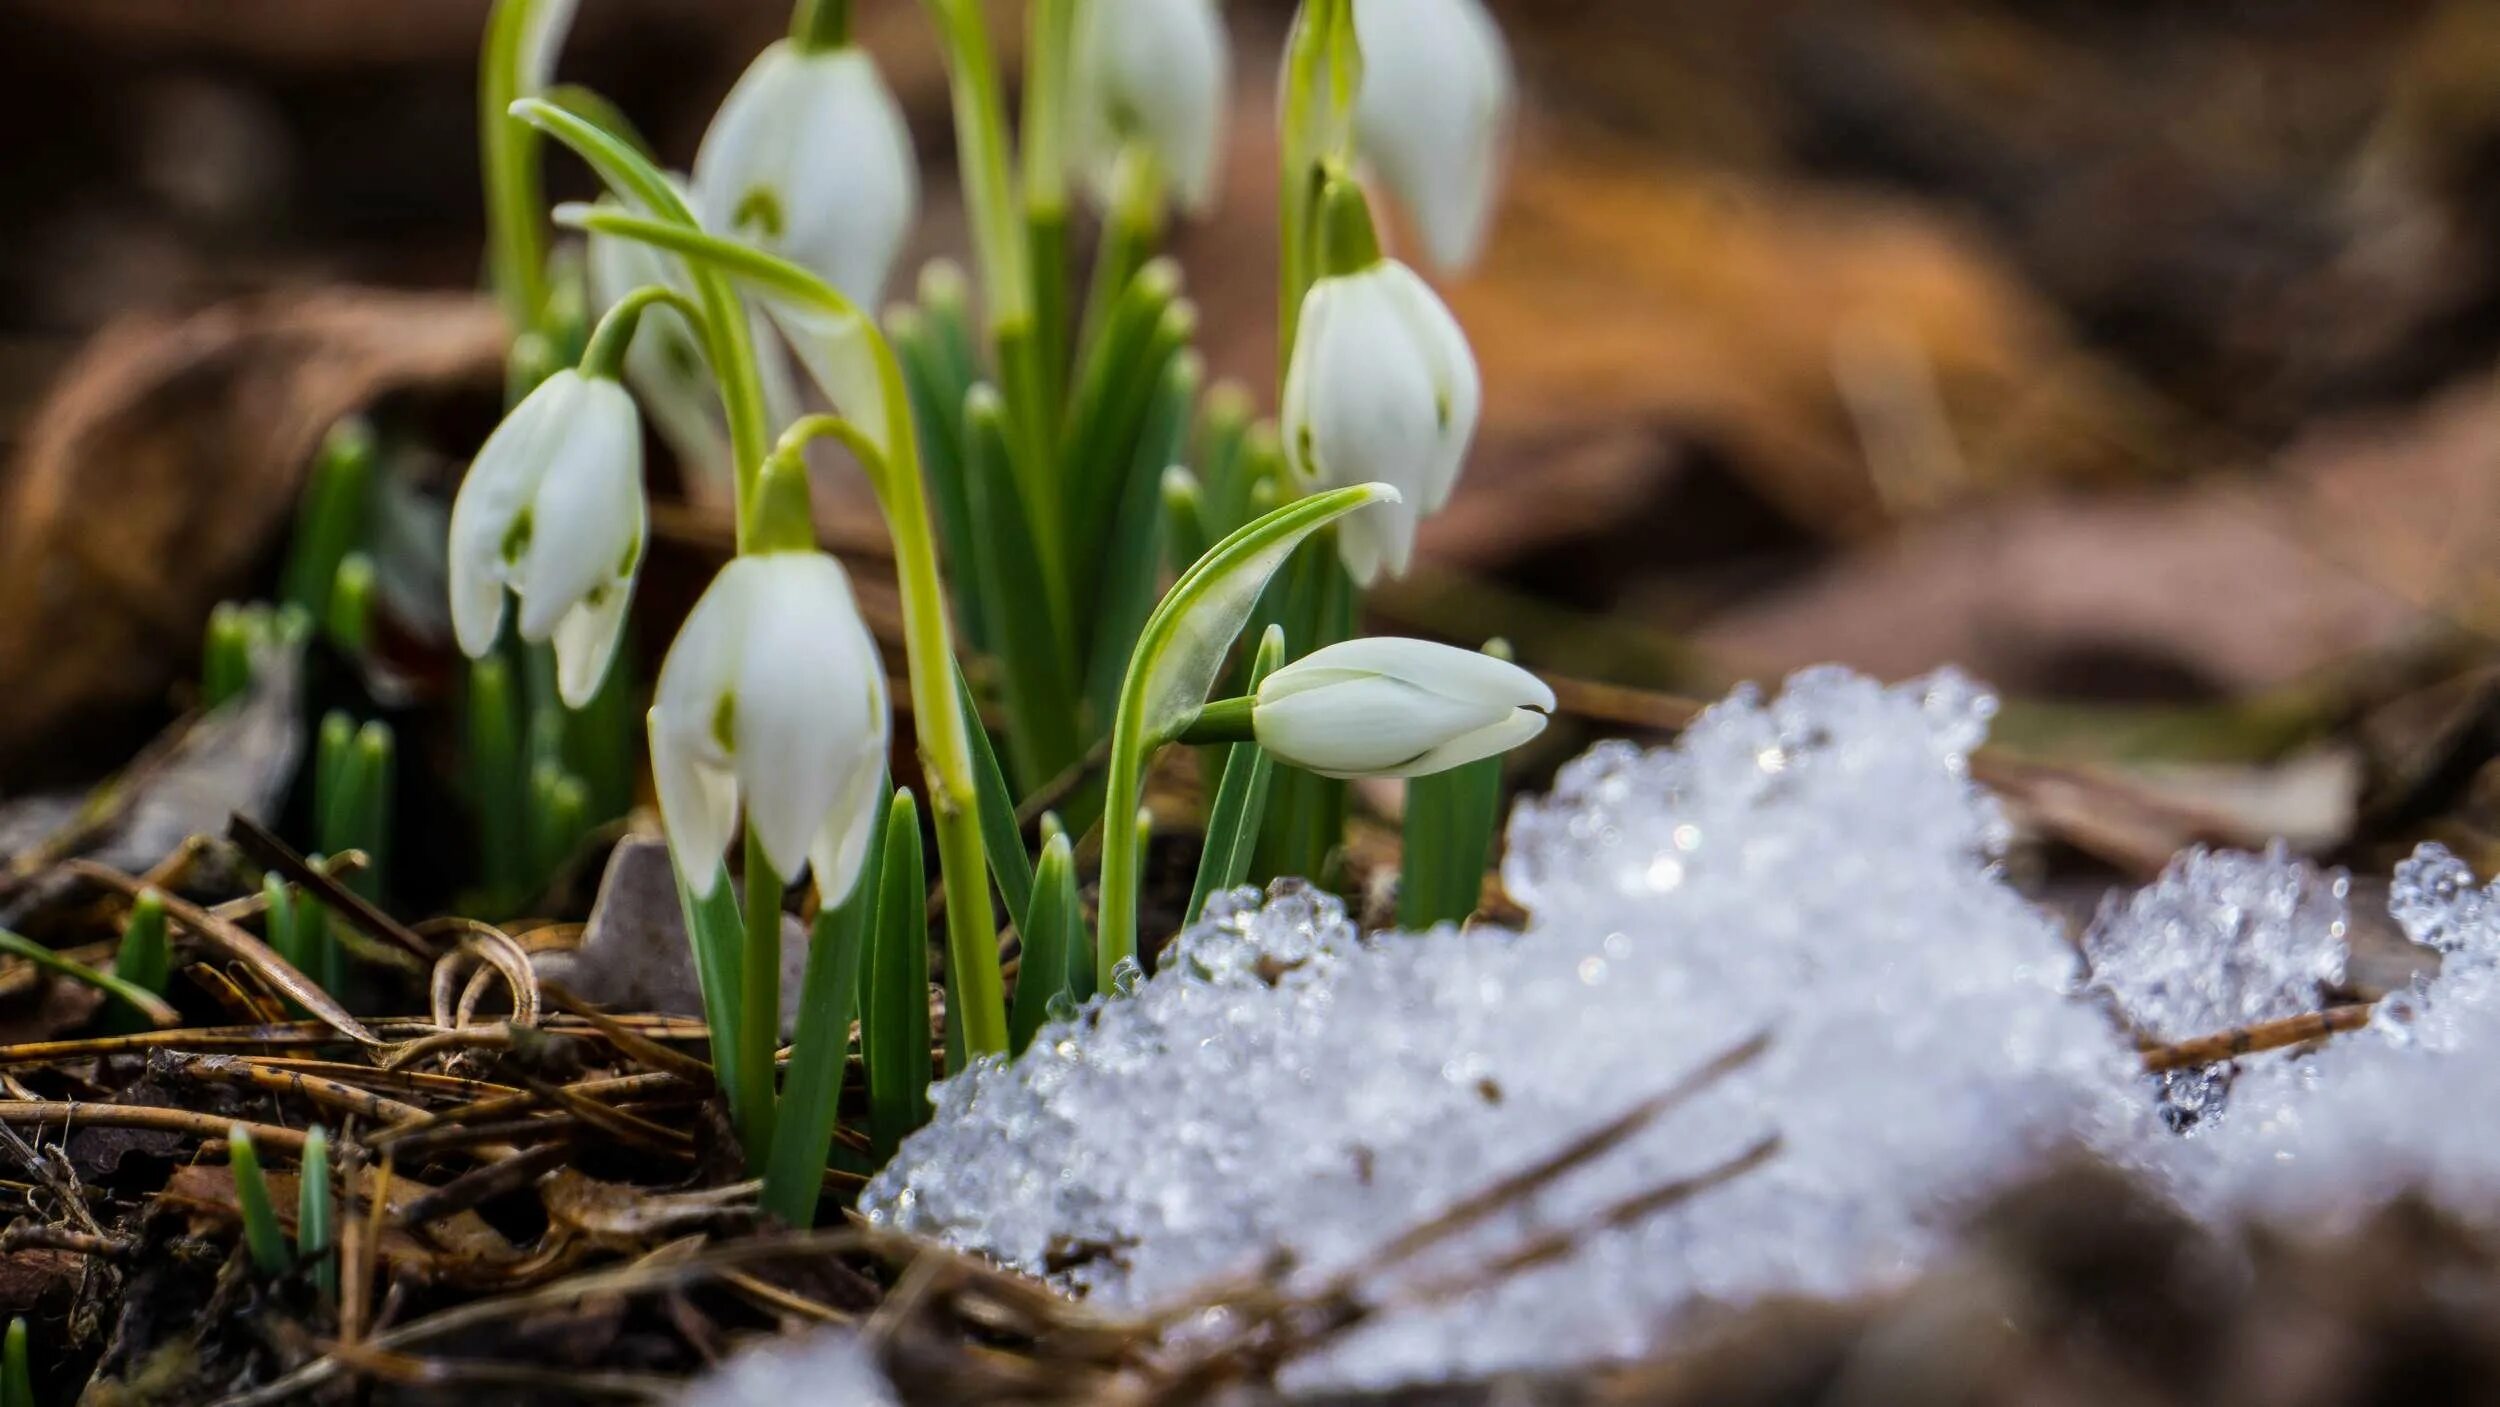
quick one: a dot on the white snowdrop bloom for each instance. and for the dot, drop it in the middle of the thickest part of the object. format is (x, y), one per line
(772, 694)
(1382, 387)
(665, 364)
(808, 158)
(1395, 707)
(1158, 72)
(553, 509)
(1435, 98)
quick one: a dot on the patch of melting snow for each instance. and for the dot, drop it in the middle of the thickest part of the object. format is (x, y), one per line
(828, 1366)
(1817, 867)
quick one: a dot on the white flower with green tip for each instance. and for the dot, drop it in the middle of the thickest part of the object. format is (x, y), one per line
(1382, 387)
(808, 158)
(552, 509)
(773, 697)
(1159, 73)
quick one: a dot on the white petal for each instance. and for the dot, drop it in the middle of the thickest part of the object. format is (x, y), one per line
(585, 640)
(1156, 71)
(1458, 389)
(840, 850)
(698, 803)
(1436, 95)
(1364, 727)
(840, 359)
(804, 706)
(1500, 736)
(701, 667)
(808, 157)
(587, 512)
(1373, 410)
(500, 483)
(1471, 676)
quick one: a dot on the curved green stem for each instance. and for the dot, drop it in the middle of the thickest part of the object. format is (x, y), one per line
(821, 24)
(508, 155)
(604, 353)
(1323, 67)
(1178, 654)
(726, 344)
(981, 140)
(894, 470)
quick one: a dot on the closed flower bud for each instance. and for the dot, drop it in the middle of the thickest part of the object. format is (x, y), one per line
(1393, 707)
(1382, 387)
(808, 159)
(1435, 97)
(772, 695)
(552, 508)
(1155, 72)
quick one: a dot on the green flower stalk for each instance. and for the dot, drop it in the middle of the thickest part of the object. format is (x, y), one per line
(859, 373)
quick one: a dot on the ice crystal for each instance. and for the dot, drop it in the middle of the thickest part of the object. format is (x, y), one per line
(1286, 1092)
(2223, 939)
(2410, 1103)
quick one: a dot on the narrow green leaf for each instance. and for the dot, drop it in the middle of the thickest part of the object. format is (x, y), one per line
(1001, 838)
(1134, 553)
(329, 517)
(17, 1378)
(251, 1195)
(1240, 799)
(226, 657)
(1185, 528)
(811, 1093)
(1053, 930)
(144, 960)
(496, 778)
(715, 928)
(1116, 374)
(937, 398)
(349, 617)
(278, 920)
(1220, 454)
(139, 999)
(312, 1213)
(1448, 839)
(898, 984)
(1032, 649)
(1046, 233)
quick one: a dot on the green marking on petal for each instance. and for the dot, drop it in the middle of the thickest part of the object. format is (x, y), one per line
(516, 539)
(759, 212)
(725, 722)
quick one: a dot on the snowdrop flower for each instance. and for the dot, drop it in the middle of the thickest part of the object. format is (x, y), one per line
(808, 159)
(773, 692)
(1393, 707)
(1435, 96)
(1157, 72)
(553, 508)
(1383, 387)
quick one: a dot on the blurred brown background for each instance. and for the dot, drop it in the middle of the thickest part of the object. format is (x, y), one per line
(2125, 353)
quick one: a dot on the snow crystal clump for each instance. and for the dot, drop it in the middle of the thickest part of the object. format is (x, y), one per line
(1818, 868)
(828, 1367)
(2223, 939)
(2410, 1102)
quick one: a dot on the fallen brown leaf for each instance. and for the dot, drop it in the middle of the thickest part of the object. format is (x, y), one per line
(158, 474)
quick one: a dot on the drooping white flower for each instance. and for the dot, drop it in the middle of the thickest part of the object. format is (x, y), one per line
(772, 695)
(1157, 72)
(1395, 707)
(1435, 98)
(665, 364)
(552, 508)
(1383, 387)
(808, 158)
